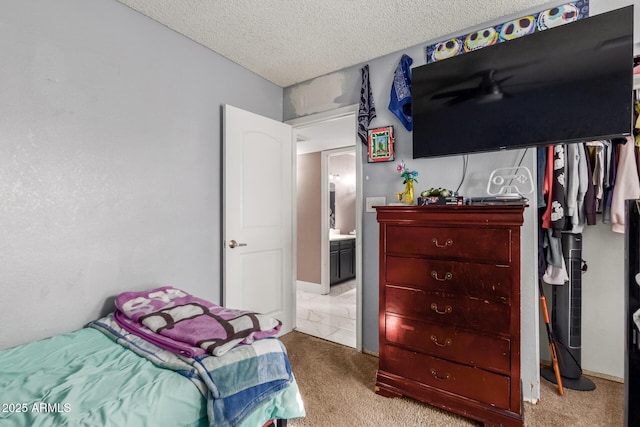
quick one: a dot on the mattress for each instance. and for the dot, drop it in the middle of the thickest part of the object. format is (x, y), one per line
(83, 378)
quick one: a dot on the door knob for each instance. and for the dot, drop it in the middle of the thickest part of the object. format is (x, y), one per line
(234, 244)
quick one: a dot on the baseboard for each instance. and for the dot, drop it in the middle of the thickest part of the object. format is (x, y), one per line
(547, 364)
(370, 353)
(315, 288)
(603, 376)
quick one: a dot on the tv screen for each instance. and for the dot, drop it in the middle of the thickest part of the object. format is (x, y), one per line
(566, 84)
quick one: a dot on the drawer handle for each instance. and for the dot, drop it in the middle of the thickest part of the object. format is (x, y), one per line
(446, 310)
(436, 376)
(447, 276)
(435, 340)
(449, 242)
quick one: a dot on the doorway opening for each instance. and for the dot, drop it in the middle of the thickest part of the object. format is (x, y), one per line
(329, 216)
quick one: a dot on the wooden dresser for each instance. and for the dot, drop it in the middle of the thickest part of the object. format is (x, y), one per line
(450, 309)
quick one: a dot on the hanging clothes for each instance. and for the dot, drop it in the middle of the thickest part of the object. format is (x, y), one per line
(554, 216)
(572, 179)
(577, 181)
(367, 108)
(548, 188)
(596, 154)
(542, 259)
(556, 275)
(590, 195)
(636, 130)
(611, 167)
(553, 248)
(541, 153)
(400, 97)
(627, 184)
(636, 127)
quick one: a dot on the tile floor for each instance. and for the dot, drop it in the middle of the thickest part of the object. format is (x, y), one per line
(332, 316)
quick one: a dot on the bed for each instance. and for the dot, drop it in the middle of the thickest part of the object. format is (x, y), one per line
(103, 375)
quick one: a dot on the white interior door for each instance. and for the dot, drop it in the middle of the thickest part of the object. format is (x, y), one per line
(258, 163)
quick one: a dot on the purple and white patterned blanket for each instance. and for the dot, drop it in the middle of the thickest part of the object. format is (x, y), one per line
(177, 321)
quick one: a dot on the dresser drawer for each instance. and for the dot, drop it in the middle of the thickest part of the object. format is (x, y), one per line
(492, 389)
(450, 309)
(479, 280)
(484, 351)
(479, 244)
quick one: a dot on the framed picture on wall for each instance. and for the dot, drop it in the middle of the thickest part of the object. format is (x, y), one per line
(380, 144)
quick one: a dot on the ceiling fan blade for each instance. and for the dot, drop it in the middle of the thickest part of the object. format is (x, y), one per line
(504, 79)
(488, 89)
(469, 92)
(458, 100)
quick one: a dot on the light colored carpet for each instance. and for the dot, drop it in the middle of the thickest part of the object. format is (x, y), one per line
(337, 386)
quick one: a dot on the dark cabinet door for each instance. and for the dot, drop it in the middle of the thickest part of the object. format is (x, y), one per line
(342, 258)
(346, 263)
(334, 263)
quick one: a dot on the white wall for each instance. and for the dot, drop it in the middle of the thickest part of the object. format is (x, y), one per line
(109, 160)
(309, 219)
(344, 165)
(603, 285)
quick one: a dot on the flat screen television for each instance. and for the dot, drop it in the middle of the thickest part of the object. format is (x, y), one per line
(570, 83)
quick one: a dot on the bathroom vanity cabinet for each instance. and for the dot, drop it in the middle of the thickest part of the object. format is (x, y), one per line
(342, 258)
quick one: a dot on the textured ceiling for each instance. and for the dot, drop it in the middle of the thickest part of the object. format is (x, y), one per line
(289, 41)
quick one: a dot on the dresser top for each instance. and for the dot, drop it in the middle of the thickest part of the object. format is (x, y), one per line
(511, 215)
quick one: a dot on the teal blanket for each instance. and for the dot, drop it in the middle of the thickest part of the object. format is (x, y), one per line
(234, 384)
(83, 378)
